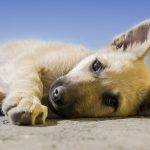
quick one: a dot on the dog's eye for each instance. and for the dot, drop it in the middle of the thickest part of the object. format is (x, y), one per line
(97, 66)
(110, 99)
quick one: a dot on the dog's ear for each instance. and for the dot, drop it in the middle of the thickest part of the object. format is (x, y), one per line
(144, 107)
(136, 41)
(135, 36)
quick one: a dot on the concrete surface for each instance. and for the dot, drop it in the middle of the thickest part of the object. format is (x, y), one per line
(81, 134)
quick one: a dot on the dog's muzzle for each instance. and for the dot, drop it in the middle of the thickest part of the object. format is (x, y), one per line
(59, 100)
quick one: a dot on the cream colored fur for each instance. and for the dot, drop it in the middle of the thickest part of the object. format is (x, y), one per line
(28, 68)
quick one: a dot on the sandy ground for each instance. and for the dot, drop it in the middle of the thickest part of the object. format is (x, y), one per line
(82, 134)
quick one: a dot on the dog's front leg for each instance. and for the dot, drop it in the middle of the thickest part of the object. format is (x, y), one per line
(23, 101)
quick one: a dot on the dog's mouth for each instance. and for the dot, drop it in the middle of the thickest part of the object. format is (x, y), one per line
(63, 111)
(52, 108)
(52, 112)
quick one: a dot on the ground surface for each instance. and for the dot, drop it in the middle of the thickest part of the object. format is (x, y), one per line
(83, 134)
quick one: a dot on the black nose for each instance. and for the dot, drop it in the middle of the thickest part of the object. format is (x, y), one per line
(58, 95)
(59, 99)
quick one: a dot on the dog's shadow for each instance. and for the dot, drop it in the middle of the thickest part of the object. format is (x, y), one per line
(56, 121)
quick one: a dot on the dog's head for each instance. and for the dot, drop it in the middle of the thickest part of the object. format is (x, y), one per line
(114, 82)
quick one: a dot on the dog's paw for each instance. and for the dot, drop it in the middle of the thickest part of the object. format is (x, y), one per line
(9, 103)
(27, 112)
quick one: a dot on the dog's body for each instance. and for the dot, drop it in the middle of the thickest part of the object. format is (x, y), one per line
(52, 60)
(28, 69)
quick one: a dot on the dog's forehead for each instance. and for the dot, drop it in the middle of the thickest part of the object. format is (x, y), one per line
(85, 62)
(82, 65)
(115, 60)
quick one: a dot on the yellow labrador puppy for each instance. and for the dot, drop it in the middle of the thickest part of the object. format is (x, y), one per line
(79, 83)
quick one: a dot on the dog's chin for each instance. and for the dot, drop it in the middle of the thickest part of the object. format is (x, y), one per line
(52, 115)
(57, 112)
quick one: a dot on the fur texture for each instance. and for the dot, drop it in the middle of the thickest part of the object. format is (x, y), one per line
(28, 69)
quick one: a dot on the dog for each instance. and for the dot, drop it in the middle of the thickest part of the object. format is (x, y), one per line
(74, 81)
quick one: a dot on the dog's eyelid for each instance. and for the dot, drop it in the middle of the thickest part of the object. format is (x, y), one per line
(97, 66)
(100, 60)
(103, 62)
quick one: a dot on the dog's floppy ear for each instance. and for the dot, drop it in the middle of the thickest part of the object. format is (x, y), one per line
(136, 35)
(144, 107)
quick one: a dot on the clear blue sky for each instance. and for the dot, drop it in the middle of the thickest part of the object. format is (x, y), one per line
(92, 23)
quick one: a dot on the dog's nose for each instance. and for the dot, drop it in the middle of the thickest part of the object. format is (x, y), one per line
(58, 95)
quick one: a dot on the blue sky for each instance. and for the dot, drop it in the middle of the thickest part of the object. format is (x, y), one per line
(92, 23)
